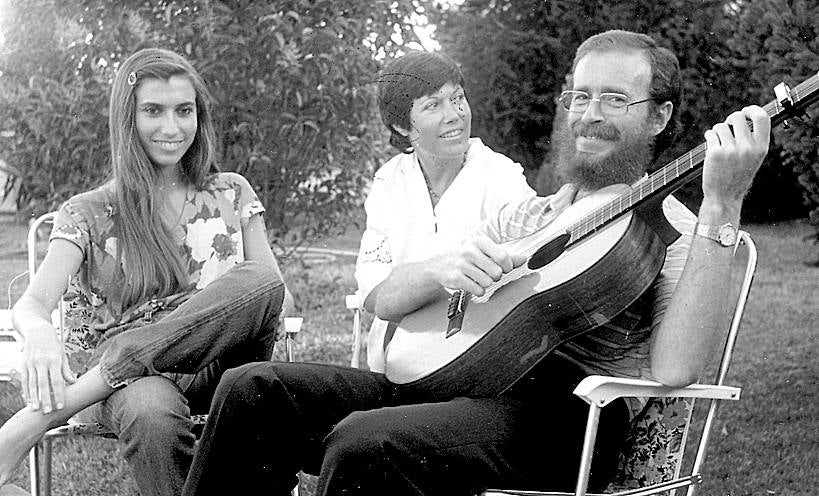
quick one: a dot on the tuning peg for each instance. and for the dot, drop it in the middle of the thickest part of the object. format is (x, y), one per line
(783, 97)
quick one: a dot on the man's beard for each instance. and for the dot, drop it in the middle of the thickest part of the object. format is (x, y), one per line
(624, 164)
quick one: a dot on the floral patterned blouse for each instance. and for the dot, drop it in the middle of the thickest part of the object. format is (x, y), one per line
(209, 236)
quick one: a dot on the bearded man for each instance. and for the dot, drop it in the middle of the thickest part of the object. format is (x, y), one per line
(371, 440)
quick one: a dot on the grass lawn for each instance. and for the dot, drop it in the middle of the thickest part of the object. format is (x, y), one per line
(765, 444)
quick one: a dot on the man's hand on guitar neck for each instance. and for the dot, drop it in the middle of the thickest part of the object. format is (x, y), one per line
(699, 309)
(732, 159)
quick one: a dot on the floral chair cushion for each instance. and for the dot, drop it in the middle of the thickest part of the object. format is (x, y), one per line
(654, 445)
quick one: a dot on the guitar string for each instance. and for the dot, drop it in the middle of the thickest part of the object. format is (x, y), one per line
(688, 161)
(599, 217)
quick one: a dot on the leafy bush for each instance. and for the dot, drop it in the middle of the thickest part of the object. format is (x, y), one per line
(516, 54)
(293, 80)
(53, 108)
(514, 59)
(776, 41)
(297, 86)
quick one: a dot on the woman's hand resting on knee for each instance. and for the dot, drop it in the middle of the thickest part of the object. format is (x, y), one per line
(44, 370)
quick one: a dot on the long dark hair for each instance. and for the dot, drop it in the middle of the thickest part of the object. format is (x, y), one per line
(152, 264)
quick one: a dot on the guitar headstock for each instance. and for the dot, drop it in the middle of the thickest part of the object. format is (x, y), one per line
(793, 102)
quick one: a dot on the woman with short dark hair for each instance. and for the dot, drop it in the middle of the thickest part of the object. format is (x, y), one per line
(424, 204)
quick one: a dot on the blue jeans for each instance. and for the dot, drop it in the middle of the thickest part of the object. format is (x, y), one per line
(171, 366)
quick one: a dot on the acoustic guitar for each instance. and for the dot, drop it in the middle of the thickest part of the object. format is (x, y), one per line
(592, 262)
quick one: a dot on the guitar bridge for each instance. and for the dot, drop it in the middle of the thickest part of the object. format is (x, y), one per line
(455, 312)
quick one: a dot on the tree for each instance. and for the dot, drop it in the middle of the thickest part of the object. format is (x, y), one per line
(778, 41)
(516, 54)
(293, 80)
(525, 50)
(513, 59)
(53, 106)
(298, 86)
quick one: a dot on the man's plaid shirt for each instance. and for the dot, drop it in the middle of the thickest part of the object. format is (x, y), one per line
(621, 347)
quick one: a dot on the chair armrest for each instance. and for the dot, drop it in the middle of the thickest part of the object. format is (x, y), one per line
(353, 301)
(601, 390)
(11, 346)
(292, 325)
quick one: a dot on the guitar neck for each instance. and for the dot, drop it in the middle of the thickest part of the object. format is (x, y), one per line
(688, 166)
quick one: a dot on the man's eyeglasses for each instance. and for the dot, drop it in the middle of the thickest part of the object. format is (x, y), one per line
(610, 103)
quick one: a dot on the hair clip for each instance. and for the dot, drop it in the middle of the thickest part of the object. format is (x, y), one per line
(132, 78)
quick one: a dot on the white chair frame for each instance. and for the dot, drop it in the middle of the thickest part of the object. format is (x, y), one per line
(41, 454)
(599, 391)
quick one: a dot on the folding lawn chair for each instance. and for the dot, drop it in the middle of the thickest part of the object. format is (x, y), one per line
(40, 455)
(651, 460)
(9, 346)
(355, 305)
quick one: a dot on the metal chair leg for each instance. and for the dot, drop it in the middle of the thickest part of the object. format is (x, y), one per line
(292, 325)
(353, 304)
(588, 450)
(39, 467)
(34, 468)
(48, 444)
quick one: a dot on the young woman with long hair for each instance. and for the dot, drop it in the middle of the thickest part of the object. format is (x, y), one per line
(170, 276)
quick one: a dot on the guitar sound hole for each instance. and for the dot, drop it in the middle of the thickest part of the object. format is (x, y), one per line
(548, 252)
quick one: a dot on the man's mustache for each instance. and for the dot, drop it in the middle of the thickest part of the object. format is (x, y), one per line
(599, 130)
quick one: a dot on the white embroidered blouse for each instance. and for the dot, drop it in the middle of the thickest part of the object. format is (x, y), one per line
(402, 225)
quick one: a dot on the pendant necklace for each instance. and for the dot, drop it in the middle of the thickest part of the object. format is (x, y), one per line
(173, 211)
(433, 195)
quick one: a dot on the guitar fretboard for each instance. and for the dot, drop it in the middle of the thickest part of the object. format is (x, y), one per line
(684, 167)
(664, 180)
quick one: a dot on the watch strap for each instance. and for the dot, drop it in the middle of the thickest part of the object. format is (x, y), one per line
(715, 233)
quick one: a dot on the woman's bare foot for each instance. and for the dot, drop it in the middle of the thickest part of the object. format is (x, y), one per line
(22, 431)
(18, 435)
(12, 490)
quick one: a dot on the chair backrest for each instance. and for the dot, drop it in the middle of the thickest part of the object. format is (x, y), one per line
(655, 445)
(71, 319)
(33, 233)
(57, 315)
(72, 316)
(10, 346)
(11, 342)
(354, 304)
(656, 442)
(34, 259)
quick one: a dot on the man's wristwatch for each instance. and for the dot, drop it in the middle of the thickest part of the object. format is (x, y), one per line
(726, 234)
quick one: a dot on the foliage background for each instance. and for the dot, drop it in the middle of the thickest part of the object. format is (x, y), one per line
(516, 54)
(294, 84)
(778, 40)
(293, 81)
(272, 71)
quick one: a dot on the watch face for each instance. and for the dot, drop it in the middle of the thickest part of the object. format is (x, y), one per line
(727, 235)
